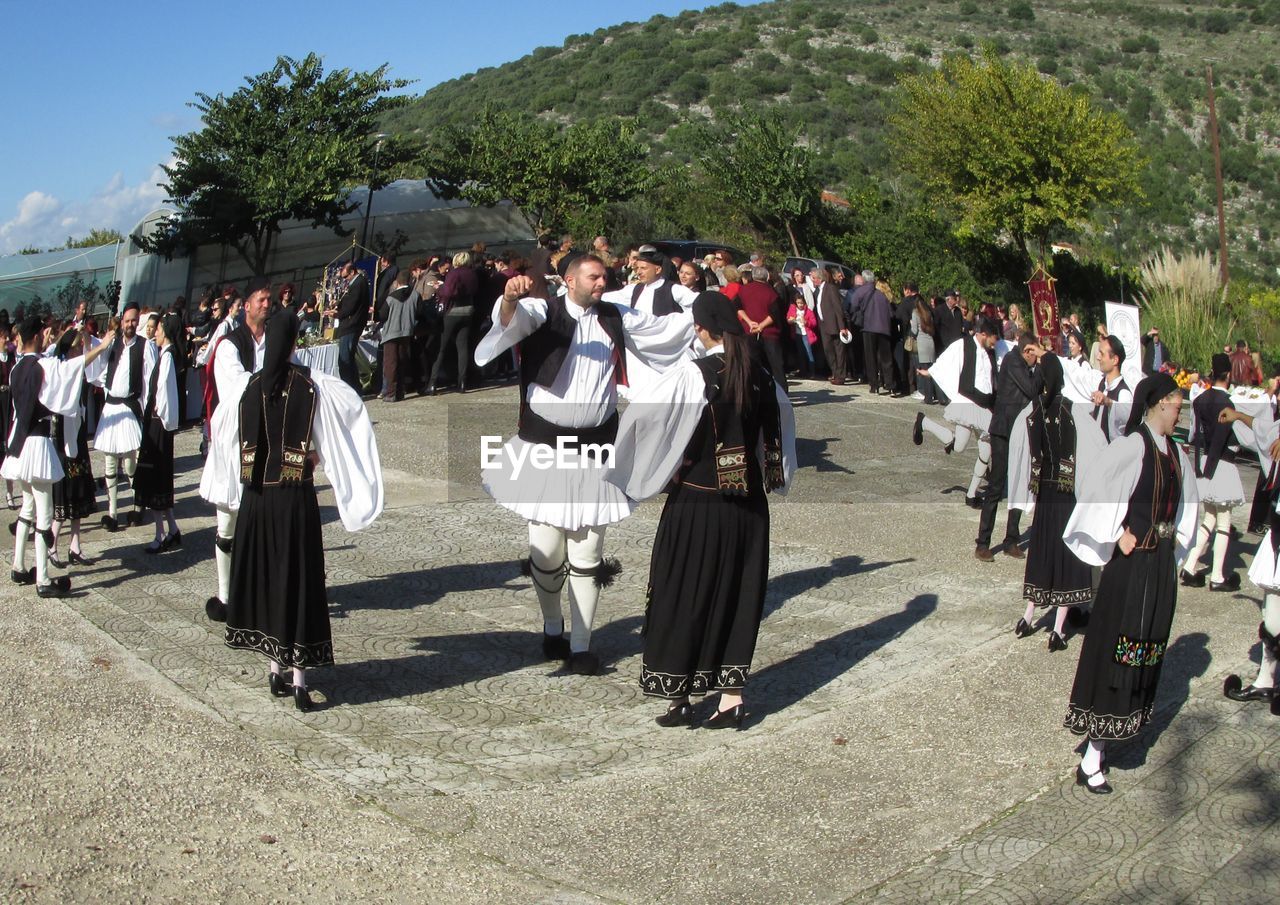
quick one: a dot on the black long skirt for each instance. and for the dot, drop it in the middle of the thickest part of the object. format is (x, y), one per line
(6, 419)
(1054, 576)
(278, 602)
(75, 496)
(153, 479)
(1122, 654)
(706, 593)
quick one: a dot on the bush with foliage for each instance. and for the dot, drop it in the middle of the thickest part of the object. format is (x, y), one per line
(1182, 296)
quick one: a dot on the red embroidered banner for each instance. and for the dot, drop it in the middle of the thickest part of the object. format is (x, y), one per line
(1044, 303)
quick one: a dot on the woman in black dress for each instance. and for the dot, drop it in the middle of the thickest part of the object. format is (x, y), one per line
(153, 481)
(290, 419)
(711, 552)
(75, 496)
(1051, 450)
(1136, 516)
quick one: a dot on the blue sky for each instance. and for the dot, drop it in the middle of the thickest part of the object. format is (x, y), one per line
(93, 91)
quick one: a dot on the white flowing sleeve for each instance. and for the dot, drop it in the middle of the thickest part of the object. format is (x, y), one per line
(220, 478)
(655, 429)
(1020, 496)
(167, 394)
(659, 341)
(1188, 518)
(1102, 499)
(684, 296)
(1119, 411)
(619, 296)
(229, 375)
(60, 389)
(343, 436)
(530, 314)
(787, 423)
(1091, 442)
(1081, 380)
(945, 370)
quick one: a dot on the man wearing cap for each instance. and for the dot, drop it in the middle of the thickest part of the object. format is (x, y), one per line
(1113, 398)
(234, 362)
(651, 294)
(966, 372)
(120, 426)
(575, 350)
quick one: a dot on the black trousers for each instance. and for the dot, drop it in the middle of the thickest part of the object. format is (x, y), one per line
(771, 350)
(834, 350)
(457, 330)
(876, 358)
(997, 490)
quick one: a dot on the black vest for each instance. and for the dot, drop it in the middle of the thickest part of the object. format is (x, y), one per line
(1101, 413)
(1155, 499)
(968, 370)
(242, 339)
(664, 299)
(275, 433)
(1211, 438)
(30, 417)
(132, 398)
(542, 355)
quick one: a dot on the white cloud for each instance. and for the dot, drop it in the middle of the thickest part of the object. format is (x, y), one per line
(45, 221)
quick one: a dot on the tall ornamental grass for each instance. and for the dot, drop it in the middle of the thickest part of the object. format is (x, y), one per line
(1183, 298)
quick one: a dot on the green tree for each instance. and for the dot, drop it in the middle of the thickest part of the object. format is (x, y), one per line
(1010, 150)
(765, 168)
(288, 145)
(95, 238)
(559, 178)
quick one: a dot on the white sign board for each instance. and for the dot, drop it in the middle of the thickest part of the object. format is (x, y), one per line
(1124, 323)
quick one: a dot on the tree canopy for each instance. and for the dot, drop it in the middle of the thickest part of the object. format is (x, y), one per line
(560, 178)
(1011, 150)
(288, 145)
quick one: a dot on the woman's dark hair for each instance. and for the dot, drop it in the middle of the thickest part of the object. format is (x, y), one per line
(737, 371)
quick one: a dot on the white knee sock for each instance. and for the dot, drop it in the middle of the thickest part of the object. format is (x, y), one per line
(1221, 540)
(111, 470)
(1091, 763)
(979, 466)
(547, 557)
(585, 549)
(944, 435)
(1270, 621)
(226, 531)
(43, 496)
(130, 469)
(963, 436)
(26, 518)
(1203, 534)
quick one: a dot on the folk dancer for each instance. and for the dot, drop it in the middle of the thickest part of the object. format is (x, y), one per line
(75, 496)
(1054, 446)
(153, 481)
(1217, 481)
(966, 372)
(232, 363)
(718, 435)
(289, 420)
(120, 426)
(1262, 433)
(42, 387)
(574, 352)
(1135, 516)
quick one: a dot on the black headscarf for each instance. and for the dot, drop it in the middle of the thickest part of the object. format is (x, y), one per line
(1221, 367)
(713, 312)
(172, 326)
(1053, 377)
(281, 337)
(1150, 391)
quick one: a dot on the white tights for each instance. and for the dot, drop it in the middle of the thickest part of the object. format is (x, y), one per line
(1216, 524)
(552, 551)
(226, 531)
(37, 511)
(960, 436)
(111, 471)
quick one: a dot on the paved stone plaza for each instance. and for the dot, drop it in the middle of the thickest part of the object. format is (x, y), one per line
(902, 744)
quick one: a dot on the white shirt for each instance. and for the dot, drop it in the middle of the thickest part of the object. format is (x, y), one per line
(229, 375)
(1118, 412)
(644, 302)
(584, 393)
(97, 372)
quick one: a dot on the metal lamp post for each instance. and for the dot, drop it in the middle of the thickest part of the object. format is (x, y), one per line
(368, 205)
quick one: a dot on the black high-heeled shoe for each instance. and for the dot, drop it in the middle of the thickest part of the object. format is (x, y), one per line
(156, 546)
(171, 540)
(1056, 642)
(78, 558)
(676, 715)
(722, 719)
(1082, 779)
(279, 687)
(1023, 628)
(25, 577)
(301, 699)
(57, 560)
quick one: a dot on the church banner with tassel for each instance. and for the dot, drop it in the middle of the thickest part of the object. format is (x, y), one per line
(1044, 304)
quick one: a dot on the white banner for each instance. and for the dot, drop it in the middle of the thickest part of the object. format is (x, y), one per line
(1124, 323)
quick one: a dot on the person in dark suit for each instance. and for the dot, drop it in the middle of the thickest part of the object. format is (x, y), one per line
(352, 312)
(831, 323)
(948, 320)
(1017, 384)
(387, 273)
(1154, 352)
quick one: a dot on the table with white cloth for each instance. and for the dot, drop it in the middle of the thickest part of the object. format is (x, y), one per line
(322, 358)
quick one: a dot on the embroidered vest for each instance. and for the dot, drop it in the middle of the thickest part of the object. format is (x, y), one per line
(1155, 500)
(275, 432)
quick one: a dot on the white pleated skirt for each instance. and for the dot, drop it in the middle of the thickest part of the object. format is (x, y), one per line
(1263, 571)
(38, 462)
(1224, 488)
(570, 497)
(119, 432)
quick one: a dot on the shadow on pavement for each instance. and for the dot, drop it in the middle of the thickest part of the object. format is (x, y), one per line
(1186, 659)
(793, 584)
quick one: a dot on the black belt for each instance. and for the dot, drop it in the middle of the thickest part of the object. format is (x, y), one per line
(122, 400)
(41, 428)
(536, 429)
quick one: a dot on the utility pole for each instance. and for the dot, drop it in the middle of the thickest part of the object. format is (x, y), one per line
(1217, 173)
